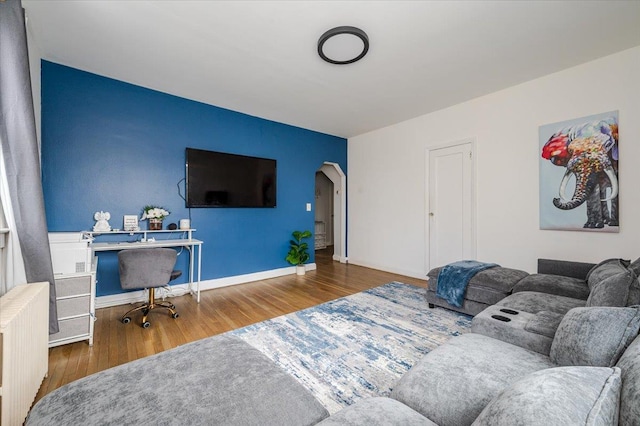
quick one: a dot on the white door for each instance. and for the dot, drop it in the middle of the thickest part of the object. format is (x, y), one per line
(451, 204)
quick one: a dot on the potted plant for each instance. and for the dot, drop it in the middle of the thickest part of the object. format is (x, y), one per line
(155, 215)
(298, 254)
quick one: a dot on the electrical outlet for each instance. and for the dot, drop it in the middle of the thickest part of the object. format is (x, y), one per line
(308, 207)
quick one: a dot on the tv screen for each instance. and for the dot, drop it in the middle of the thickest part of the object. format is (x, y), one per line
(218, 179)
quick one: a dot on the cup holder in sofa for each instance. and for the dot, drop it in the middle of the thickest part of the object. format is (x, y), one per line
(509, 311)
(501, 318)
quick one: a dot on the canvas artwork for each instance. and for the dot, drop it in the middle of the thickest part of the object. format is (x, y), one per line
(579, 174)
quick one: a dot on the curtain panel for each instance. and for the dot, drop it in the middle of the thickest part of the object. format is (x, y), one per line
(12, 263)
(20, 152)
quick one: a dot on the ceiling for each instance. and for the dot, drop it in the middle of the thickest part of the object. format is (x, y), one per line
(260, 57)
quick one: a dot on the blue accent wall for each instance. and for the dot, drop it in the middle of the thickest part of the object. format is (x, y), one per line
(113, 146)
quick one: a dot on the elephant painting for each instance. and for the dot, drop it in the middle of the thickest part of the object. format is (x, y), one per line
(589, 151)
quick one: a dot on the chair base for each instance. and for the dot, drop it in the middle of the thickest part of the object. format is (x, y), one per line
(147, 307)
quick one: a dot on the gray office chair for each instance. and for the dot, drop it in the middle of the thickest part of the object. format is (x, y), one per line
(147, 269)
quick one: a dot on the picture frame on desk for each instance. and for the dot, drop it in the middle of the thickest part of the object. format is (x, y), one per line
(130, 222)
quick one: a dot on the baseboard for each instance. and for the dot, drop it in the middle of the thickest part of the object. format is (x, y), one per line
(181, 289)
(386, 268)
(247, 278)
(120, 299)
(341, 259)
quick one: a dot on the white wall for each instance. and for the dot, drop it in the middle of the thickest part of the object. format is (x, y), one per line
(387, 183)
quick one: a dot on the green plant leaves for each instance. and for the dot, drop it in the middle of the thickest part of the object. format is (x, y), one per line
(298, 249)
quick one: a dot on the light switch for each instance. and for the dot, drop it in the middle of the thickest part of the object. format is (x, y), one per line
(308, 207)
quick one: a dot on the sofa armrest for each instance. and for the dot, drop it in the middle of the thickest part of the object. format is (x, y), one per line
(564, 268)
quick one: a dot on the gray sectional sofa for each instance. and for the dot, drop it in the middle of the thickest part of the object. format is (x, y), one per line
(589, 373)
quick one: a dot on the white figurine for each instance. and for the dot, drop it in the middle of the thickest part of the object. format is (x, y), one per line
(102, 225)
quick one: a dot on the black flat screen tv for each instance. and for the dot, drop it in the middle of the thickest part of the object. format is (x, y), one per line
(218, 179)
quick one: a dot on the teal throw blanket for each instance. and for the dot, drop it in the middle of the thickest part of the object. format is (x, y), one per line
(454, 278)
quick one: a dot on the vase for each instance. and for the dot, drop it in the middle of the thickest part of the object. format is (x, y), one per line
(300, 270)
(155, 224)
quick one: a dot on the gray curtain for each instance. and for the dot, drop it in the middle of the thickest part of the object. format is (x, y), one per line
(20, 151)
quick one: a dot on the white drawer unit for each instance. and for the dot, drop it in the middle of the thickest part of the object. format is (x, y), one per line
(70, 252)
(71, 330)
(75, 300)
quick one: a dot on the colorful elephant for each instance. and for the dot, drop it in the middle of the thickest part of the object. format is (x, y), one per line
(590, 153)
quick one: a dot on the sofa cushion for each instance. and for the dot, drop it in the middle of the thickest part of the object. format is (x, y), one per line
(544, 323)
(453, 383)
(377, 411)
(218, 380)
(565, 268)
(605, 269)
(486, 286)
(554, 284)
(511, 326)
(558, 396)
(594, 336)
(630, 365)
(612, 290)
(635, 266)
(534, 302)
(634, 290)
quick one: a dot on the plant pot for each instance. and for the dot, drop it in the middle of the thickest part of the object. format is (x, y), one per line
(155, 224)
(300, 270)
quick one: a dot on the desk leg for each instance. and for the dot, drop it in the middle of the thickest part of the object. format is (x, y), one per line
(199, 270)
(192, 277)
(192, 252)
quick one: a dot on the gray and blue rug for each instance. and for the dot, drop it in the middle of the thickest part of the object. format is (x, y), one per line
(357, 346)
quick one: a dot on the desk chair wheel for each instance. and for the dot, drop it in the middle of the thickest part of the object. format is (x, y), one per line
(175, 315)
(146, 324)
(126, 320)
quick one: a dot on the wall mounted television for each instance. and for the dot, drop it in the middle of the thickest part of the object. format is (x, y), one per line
(218, 179)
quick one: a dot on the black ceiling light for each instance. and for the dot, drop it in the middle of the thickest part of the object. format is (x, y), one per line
(343, 45)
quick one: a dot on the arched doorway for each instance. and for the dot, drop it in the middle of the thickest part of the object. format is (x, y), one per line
(335, 221)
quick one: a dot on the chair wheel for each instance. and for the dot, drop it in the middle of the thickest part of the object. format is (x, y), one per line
(126, 320)
(146, 324)
(173, 306)
(175, 315)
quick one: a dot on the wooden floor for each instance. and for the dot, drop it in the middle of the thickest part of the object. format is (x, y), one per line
(220, 310)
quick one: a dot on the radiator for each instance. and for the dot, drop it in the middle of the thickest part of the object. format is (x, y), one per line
(24, 354)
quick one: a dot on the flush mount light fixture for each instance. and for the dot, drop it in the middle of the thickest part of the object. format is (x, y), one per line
(343, 45)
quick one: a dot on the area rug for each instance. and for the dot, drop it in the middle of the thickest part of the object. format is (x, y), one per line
(357, 346)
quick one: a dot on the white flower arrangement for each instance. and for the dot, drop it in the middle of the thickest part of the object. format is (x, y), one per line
(154, 212)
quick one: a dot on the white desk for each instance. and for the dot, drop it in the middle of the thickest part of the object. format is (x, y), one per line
(189, 243)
